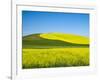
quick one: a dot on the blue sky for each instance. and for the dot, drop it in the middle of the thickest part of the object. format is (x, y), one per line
(44, 22)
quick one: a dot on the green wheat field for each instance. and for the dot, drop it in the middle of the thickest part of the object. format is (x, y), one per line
(54, 49)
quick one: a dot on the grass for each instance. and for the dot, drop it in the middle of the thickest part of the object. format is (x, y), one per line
(47, 50)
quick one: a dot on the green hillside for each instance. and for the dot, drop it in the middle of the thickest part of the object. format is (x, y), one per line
(49, 40)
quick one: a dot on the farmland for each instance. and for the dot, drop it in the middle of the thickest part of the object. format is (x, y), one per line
(54, 50)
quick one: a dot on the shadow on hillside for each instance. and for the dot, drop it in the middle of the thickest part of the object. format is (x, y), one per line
(37, 42)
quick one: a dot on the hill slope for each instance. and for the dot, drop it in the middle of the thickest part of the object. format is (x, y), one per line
(50, 40)
(66, 37)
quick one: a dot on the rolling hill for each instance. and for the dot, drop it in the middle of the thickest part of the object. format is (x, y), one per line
(50, 40)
